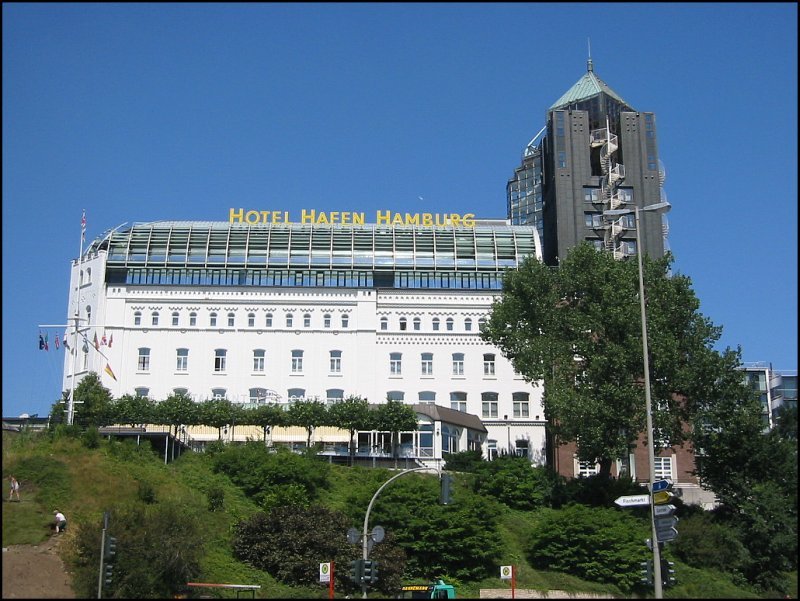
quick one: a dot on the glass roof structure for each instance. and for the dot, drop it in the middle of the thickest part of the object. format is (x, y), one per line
(223, 245)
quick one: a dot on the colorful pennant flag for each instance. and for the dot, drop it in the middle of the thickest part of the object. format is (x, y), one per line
(96, 343)
(110, 340)
(41, 342)
(56, 341)
(83, 226)
(46, 347)
(103, 341)
(109, 372)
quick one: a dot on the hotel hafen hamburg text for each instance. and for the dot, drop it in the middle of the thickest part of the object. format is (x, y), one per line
(264, 309)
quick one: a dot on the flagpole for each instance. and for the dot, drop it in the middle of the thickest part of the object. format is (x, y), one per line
(71, 403)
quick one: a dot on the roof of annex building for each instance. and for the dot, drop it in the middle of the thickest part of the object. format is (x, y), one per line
(588, 86)
(489, 245)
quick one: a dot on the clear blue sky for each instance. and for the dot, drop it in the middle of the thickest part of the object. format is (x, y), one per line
(144, 112)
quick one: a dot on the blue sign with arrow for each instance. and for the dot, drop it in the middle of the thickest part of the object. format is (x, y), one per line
(664, 484)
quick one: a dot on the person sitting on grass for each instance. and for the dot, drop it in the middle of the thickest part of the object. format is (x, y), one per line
(61, 521)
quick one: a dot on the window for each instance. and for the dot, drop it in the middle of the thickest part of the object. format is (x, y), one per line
(258, 360)
(395, 395)
(345, 321)
(458, 401)
(182, 363)
(251, 320)
(192, 319)
(458, 364)
(481, 323)
(297, 361)
(587, 468)
(258, 395)
(628, 247)
(562, 159)
(268, 320)
(230, 320)
(427, 397)
(220, 355)
(289, 320)
(306, 320)
(663, 467)
(296, 394)
(326, 320)
(593, 219)
(427, 364)
(142, 392)
(417, 323)
(488, 364)
(137, 318)
(591, 194)
(435, 324)
(395, 364)
(180, 392)
(467, 325)
(522, 448)
(384, 323)
(154, 318)
(212, 320)
(218, 393)
(489, 404)
(449, 324)
(521, 404)
(88, 275)
(336, 362)
(144, 360)
(334, 395)
(175, 318)
(403, 323)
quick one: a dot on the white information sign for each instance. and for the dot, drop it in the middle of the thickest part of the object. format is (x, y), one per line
(631, 500)
(325, 572)
(505, 572)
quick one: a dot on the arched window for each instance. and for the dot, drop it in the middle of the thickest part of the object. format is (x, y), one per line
(384, 323)
(289, 320)
(403, 323)
(251, 320)
(258, 395)
(334, 395)
(154, 318)
(521, 402)
(231, 320)
(306, 320)
(426, 366)
(268, 321)
(427, 397)
(417, 323)
(142, 391)
(218, 393)
(88, 314)
(458, 401)
(345, 321)
(467, 325)
(212, 320)
(137, 318)
(435, 323)
(449, 324)
(296, 394)
(481, 323)
(395, 395)
(488, 404)
(88, 275)
(192, 319)
(326, 320)
(175, 318)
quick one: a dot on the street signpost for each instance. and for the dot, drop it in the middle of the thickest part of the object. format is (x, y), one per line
(632, 500)
(661, 497)
(664, 484)
(665, 536)
(661, 510)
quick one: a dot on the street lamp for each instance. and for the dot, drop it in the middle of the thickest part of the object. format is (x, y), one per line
(665, 206)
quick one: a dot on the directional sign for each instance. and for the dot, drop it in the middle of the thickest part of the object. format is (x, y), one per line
(660, 510)
(666, 535)
(662, 497)
(664, 484)
(632, 500)
(666, 522)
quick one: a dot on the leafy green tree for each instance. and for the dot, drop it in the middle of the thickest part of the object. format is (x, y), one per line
(266, 416)
(395, 417)
(216, 413)
(459, 540)
(577, 328)
(706, 542)
(352, 414)
(176, 410)
(92, 402)
(596, 544)
(133, 410)
(289, 543)
(309, 414)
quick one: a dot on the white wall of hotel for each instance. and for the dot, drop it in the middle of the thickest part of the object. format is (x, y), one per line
(365, 347)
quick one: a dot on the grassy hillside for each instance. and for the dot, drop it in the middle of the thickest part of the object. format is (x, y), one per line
(63, 474)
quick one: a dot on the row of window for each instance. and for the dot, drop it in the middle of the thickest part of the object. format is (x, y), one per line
(416, 324)
(663, 468)
(458, 399)
(334, 356)
(214, 320)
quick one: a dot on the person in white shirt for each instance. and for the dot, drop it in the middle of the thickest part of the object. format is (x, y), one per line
(61, 521)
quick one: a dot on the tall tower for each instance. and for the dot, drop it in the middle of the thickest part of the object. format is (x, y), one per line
(595, 153)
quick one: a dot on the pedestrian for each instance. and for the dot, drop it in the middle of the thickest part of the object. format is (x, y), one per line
(61, 521)
(14, 488)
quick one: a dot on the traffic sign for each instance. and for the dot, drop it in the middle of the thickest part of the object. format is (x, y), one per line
(662, 496)
(660, 510)
(506, 572)
(664, 484)
(325, 572)
(632, 500)
(666, 535)
(666, 522)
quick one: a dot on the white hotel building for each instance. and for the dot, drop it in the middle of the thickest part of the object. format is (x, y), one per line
(282, 311)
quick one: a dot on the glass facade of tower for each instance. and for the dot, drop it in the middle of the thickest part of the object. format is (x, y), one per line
(524, 190)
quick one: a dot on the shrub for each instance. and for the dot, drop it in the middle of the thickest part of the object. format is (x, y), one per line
(146, 493)
(595, 491)
(705, 543)
(465, 461)
(515, 482)
(91, 438)
(216, 497)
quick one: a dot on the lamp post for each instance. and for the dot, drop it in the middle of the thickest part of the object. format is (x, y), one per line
(648, 403)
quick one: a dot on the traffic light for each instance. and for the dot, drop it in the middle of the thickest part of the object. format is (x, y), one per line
(108, 573)
(356, 570)
(646, 572)
(667, 573)
(111, 548)
(370, 571)
(446, 481)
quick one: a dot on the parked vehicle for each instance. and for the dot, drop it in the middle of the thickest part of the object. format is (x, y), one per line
(436, 590)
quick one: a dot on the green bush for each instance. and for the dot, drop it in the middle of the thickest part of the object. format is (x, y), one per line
(596, 544)
(91, 438)
(146, 493)
(465, 461)
(705, 543)
(594, 491)
(515, 482)
(216, 497)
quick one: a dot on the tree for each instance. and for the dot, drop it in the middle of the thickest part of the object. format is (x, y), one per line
(133, 410)
(216, 413)
(395, 417)
(267, 417)
(309, 414)
(175, 411)
(351, 414)
(577, 328)
(92, 402)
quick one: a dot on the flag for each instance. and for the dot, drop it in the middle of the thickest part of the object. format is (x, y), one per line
(85, 346)
(56, 341)
(66, 344)
(83, 226)
(110, 340)
(41, 341)
(96, 343)
(46, 347)
(109, 372)
(103, 341)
